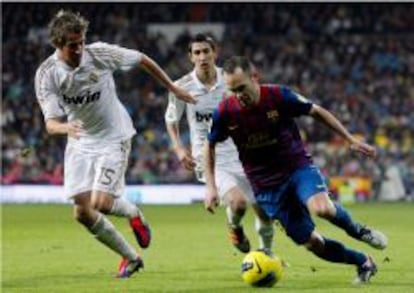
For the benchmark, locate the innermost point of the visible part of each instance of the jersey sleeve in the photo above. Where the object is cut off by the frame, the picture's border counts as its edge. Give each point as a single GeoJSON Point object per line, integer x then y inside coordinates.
{"type": "Point", "coordinates": [175, 109]}
{"type": "Point", "coordinates": [219, 130]}
{"type": "Point", "coordinates": [115, 57]}
{"type": "Point", "coordinates": [294, 104]}
{"type": "Point", "coordinates": [47, 95]}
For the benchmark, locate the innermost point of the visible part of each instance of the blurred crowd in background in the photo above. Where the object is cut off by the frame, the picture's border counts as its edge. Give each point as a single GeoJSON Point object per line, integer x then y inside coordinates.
{"type": "Point", "coordinates": [355, 59]}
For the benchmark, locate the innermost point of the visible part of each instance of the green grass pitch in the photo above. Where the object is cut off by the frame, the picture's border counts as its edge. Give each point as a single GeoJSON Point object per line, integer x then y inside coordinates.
{"type": "Point", "coordinates": [44, 250]}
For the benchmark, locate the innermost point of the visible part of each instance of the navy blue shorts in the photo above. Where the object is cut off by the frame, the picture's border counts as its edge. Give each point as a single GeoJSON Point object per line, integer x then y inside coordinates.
{"type": "Point", "coordinates": [287, 202]}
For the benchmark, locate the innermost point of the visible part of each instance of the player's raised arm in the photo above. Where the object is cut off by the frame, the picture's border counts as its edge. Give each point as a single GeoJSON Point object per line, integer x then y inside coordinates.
{"type": "Point", "coordinates": [332, 122]}
{"type": "Point", "coordinates": [150, 66]}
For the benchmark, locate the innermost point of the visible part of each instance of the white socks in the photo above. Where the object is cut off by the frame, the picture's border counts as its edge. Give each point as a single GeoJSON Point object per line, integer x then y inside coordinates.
{"type": "Point", "coordinates": [106, 233]}
{"type": "Point", "coordinates": [265, 231]}
{"type": "Point", "coordinates": [124, 208]}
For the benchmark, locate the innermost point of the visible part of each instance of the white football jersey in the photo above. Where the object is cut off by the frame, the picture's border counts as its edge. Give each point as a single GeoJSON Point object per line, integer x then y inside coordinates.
{"type": "Point", "coordinates": [199, 118]}
{"type": "Point", "coordinates": [88, 93]}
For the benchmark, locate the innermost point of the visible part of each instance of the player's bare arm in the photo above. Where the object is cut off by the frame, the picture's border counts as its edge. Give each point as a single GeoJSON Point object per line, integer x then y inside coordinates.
{"type": "Point", "coordinates": [55, 126]}
{"type": "Point", "coordinates": [211, 197]}
{"type": "Point", "coordinates": [150, 66]}
{"type": "Point", "coordinates": [332, 122]}
{"type": "Point", "coordinates": [183, 154]}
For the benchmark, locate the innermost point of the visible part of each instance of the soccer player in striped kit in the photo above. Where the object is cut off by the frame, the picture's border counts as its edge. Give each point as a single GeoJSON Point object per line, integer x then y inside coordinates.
{"type": "Point", "coordinates": [76, 92]}
{"type": "Point", "coordinates": [288, 186]}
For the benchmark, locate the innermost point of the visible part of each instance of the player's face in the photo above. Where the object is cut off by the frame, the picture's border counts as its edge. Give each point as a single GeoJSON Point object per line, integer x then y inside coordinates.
{"type": "Point", "coordinates": [71, 52]}
{"type": "Point", "coordinates": [244, 85]}
{"type": "Point", "coordinates": [203, 56]}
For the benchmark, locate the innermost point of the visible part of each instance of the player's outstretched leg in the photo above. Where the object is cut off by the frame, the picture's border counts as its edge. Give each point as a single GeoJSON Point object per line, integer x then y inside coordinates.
{"type": "Point", "coordinates": [124, 208]}
{"type": "Point", "coordinates": [343, 219]}
{"type": "Point", "coordinates": [236, 232]}
{"type": "Point", "coordinates": [128, 267]}
{"type": "Point", "coordinates": [334, 251]}
{"type": "Point", "coordinates": [105, 232]}
{"type": "Point", "coordinates": [321, 205]}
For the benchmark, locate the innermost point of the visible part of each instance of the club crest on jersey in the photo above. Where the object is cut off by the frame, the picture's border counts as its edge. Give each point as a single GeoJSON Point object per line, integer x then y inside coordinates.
{"type": "Point", "coordinates": [272, 115]}
{"type": "Point", "coordinates": [82, 99]}
{"type": "Point", "coordinates": [93, 77]}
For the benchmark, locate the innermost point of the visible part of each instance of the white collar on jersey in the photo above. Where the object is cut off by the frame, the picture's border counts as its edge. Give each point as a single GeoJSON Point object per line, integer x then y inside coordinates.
{"type": "Point", "coordinates": [201, 86]}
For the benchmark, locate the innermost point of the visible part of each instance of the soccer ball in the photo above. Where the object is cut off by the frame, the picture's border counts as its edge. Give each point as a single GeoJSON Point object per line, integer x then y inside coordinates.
{"type": "Point", "coordinates": [261, 269]}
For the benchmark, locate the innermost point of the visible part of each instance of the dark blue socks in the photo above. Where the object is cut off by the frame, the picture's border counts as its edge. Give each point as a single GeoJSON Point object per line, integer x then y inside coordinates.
{"type": "Point", "coordinates": [343, 220]}
{"type": "Point", "coordinates": [335, 251]}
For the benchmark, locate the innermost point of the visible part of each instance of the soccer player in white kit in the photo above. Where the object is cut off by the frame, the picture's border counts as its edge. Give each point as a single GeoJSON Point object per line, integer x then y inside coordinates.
{"type": "Point", "coordinates": [77, 82]}
{"type": "Point", "coordinates": [206, 84]}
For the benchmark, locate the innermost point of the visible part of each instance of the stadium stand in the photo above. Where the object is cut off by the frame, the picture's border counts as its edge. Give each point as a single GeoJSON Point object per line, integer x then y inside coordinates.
{"type": "Point", "coordinates": [355, 59]}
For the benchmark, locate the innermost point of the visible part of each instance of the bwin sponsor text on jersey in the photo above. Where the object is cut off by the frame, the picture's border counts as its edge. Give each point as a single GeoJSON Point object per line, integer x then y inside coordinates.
{"type": "Point", "coordinates": [82, 99]}
{"type": "Point", "coordinates": [200, 117]}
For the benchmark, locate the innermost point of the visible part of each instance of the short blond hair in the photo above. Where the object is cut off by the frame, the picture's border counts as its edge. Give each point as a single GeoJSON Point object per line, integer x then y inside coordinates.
{"type": "Point", "coordinates": [65, 22]}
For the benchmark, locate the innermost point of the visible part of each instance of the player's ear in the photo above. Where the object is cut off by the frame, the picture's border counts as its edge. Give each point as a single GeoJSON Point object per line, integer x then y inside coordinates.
{"type": "Point", "coordinates": [190, 57]}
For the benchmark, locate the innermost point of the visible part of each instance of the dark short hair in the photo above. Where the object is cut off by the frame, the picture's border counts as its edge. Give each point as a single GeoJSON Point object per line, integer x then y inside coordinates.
{"type": "Point", "coordinates": [234, 62]}
{"type": "Point", "coordinates": [65, 22]}
{"type": "Point", "coordinates": [201, 38]}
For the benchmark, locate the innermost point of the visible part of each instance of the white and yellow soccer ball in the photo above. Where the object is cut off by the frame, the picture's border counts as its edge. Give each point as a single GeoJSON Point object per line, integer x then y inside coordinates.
{"type": "Point", "coordinates": [261, 269]}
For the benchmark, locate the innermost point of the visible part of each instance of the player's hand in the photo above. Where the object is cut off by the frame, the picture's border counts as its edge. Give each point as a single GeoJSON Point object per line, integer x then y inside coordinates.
{"type": "Point", "coordinates": [211, 200]}
{"type": "Point", "coordinates": [185, 158]}
{"type": "Point", "coordinates": [74, 128]}
{"type": "Point", "coordinates": [183, 95]}
{"type": "Point", "coordinates": [363, 148]}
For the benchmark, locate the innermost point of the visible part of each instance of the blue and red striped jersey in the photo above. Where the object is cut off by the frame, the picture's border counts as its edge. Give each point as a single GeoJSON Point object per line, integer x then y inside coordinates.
{"type": "Point", "coordinates": [266, 135]}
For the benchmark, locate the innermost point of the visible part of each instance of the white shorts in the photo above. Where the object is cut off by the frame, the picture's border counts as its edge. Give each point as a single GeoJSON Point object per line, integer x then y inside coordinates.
{"type": "Point", "coordinates": [226, 180]}
{"type": "Point", "coordinates": [102, 170]}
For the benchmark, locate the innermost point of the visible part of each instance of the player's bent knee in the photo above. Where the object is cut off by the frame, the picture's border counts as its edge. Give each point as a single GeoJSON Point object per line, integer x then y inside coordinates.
{"type": "Point", "coordinates": [237, 203]}
{"type": "Point", "coordinates": [240, 206]}
{"type": "Point", "coordinates": [321, 206]}
{"type": "Point", "coordinates": [97, 205]}
{"type": "Point", "coordinates": [315, 243]}
{"type": "Point", "coordinates": [84, 215]}
{"type": "Point", "coordinates": [102, 202]}
{"type": "Point", "coordinates": [326, 212]}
